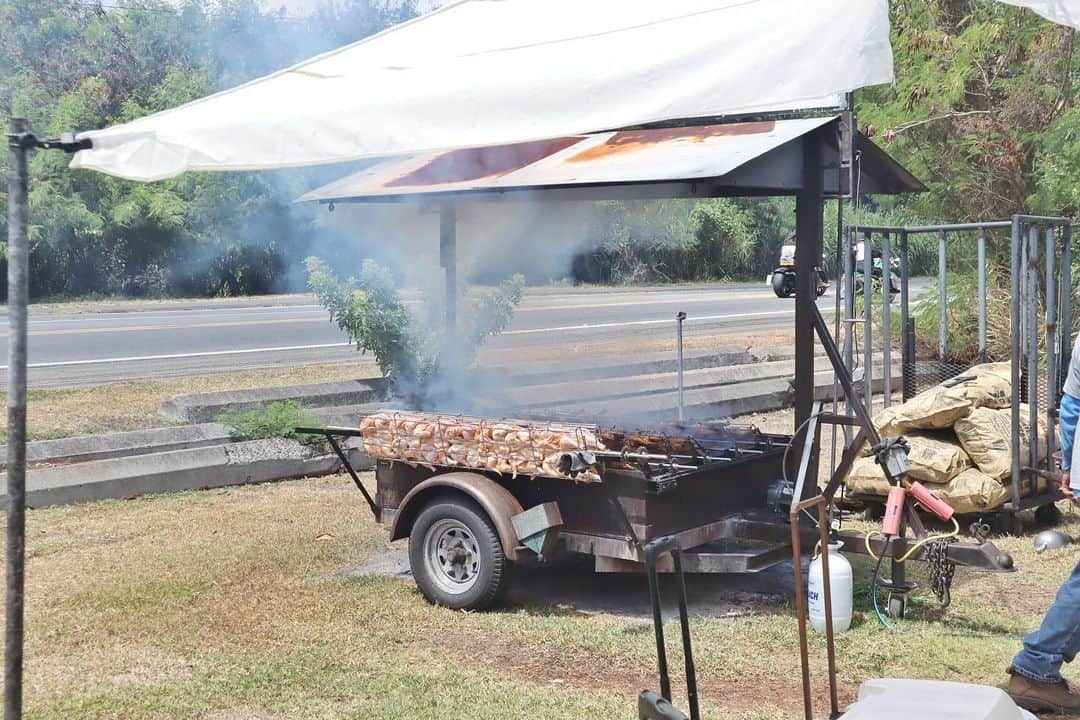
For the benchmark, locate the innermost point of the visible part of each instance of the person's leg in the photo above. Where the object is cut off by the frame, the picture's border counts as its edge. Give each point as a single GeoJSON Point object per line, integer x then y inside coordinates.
{"type": "Point", "coordinates": [1058, 638]}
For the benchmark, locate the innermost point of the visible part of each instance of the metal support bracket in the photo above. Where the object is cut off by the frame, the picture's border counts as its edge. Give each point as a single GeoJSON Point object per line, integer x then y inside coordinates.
{"type": "Point", "coordinates": [66, 142]}
{"type": "Point", "coordinates": [331, 434]}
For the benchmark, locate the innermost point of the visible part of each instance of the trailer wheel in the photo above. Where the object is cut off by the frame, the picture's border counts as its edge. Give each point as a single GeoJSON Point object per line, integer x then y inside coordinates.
{"type": "Point", "coordinates": [780, 285]}
{"type": "Point", "coordinates": [456, 557]}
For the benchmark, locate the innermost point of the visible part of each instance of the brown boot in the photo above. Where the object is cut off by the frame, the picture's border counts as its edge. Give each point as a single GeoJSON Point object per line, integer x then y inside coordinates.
{"type": "Point", "coordinates": [1042, 697]}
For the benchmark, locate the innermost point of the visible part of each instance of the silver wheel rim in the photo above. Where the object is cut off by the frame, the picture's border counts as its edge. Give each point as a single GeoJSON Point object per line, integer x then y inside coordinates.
{"type": "Point", "coordinates": [451, 556]}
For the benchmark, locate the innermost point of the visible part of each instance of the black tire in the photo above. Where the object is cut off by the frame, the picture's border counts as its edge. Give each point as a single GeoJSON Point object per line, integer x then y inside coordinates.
{"type": "Point", "coordinates": [822, 289]}
{"type": "Point", "coordinates": [475, 577]}
{"type": "Point", "coordinates": [780, 285]}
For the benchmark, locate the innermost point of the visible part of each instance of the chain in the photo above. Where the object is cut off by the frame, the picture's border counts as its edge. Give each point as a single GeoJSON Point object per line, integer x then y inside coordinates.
{"type": "Point", "coordinates": [941, 569]}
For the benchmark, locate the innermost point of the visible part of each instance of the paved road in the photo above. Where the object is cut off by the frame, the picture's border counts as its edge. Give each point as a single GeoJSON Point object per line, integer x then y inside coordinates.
{"type": "Point", "coordinates": [68, 349]}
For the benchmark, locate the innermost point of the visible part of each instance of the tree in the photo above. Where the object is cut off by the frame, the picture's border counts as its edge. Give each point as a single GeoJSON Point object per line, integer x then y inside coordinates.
{"type": "Point", "coordinates": [427, 366]}
{"type": "Point", "coordinates": [76, 65]}
{"type": "Point", "coordinates": [983, 97]}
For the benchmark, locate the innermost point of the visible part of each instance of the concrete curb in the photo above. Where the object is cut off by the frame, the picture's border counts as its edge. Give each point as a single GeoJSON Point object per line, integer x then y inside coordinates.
{"type": "Point", "coordinates": [601, 368]}
{"type": "Point", "coordinates": [728, 400]}
{"type": "Point", "coordinates": [647, 384]}
{"type": "Point", "coordinates": [205, 407]}
{"type": "Point", "coordinates": [137, 442]}
{"type": "Point", "coordinates": [192, 469]}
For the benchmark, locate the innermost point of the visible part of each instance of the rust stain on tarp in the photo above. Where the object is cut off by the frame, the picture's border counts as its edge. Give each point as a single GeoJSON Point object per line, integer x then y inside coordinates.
{"type": "Point", "coordinates": [627, 141]}
{"type": "Point", "coordinates": [469, 164]}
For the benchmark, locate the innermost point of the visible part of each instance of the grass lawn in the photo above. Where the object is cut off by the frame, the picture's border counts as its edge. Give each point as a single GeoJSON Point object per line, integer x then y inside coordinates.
{"type": "Point", "coordinates": [231, 604]}
{"type": "Point", "coordinates": [122, 406]}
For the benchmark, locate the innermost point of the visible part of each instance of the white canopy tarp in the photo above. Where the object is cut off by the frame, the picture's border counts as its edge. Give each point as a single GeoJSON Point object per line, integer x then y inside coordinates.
{"type": "Point", "coordinates": [1064, 12]}
{"type": "Point", "coordinates": [488, 72]}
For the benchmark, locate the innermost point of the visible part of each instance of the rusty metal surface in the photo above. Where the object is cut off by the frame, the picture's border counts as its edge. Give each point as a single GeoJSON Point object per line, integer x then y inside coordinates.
{"type": "Point", "coordinates": [801, 601]}
{"type": "Point", "coordinates": [621, 157]}
{"type": "Point", "coordinates": [467, 164]}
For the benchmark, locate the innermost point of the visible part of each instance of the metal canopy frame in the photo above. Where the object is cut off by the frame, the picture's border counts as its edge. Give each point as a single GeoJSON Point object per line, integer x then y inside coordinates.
{"type": "Point", "coordinates": [20, 142]}
{"type": "Point", "coordinates": [551, 170]}
{"type": "Point", "coordinates": [811, 167]}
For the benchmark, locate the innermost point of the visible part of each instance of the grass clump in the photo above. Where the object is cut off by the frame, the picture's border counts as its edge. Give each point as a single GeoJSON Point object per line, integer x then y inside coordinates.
{"type": "Point", "coordinates": [276, 420]}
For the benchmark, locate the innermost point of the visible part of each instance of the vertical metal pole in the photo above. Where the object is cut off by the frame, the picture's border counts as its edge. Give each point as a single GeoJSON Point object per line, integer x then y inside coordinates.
{"type": "Point", "coordinates": [981, 271]}
{"type": "Point", "coordinates": [886, 321]}
{"type": "Point", "coordinates": [943, 304]}
{"type": "Point", "coordinates": [679, 352]}
{"type": "Point", "coordinates": [801, 610]}
{"type": "Point", "coordinates": [1014, 356]}
{"type": "Point", "coordinates": [849, 309]}
{"type": "Point", "coordinates": [1032, 341]}
{"type": "Point", "coordinates": [898, 570]}
{"type": "Point", "coordinates": [448, 259]}
{"type": "Point", "coordinates": [838, 321]}
{"type": "Point", "coordinates": [18, 270]}
{"type": "Point", "coordinates": [658, 628]}
{"type": "Point", "coordinates": [1023, 313]}
{"type": "Point", "coordinates": [684, 624]}
{"type": "Point", "coordinates": [868, 318]}
{"type": "Point", "coordinates": [808, 228]}
{"type": "Point", "coordinates": [830, 645]}
{"type": "Point", "coordinates": [1051, 343]}
{"type": "Point", "coordinates": [908, 375]}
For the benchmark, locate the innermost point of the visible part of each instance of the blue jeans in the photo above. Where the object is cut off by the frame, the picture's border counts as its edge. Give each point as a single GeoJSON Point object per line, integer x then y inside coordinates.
{"type": "Point", "coordinates": [1068, 415]}
{"type": "Point", "coordinates": [1058, 638]}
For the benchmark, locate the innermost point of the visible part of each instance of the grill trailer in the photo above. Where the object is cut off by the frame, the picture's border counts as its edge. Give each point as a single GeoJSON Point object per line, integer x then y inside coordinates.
{"type": "Point", "coordinates": [718, 490]}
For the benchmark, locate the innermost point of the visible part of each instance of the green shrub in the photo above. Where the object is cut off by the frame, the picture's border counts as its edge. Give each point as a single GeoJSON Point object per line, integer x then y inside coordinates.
{"type": "Point", "coordinates": [423, 364]}
{"type": "Point", "coordinates": [276, 420]}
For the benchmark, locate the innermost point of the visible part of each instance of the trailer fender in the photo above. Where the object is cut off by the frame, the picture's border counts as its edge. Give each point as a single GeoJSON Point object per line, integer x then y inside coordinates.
{"type": "Point", "coordinates": [498, 502]}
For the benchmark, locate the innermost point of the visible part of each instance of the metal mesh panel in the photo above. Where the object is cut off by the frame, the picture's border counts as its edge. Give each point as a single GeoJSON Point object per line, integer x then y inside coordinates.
{"type": "Point", "coordinates": [1036, 295]}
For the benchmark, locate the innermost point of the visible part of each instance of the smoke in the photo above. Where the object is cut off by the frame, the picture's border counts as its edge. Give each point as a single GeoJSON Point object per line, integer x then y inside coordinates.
{"type": "Point", "coordinates": [495, 240]}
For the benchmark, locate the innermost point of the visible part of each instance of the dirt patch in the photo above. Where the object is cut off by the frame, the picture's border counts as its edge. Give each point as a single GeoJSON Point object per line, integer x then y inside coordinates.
{"type": "Point", "coordinates": [573, 587]}
{"type": "Point", "coordinates": [550, 665]}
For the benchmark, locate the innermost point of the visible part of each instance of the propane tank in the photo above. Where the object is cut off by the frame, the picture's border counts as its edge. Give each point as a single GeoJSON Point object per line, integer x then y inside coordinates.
{"type": "Point", "coordinates": [840, 588]}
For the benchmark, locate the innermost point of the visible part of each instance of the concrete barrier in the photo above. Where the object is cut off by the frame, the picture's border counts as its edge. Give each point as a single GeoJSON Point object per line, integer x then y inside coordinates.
{"type": "Point", "coordinates": [701, 403]}
{"type": "Point", "coordinates": [137, 442]}
{"type": "Point", "coordinates": [206, 407]}
{"type": "Point", "coordinates": [198, 468]}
